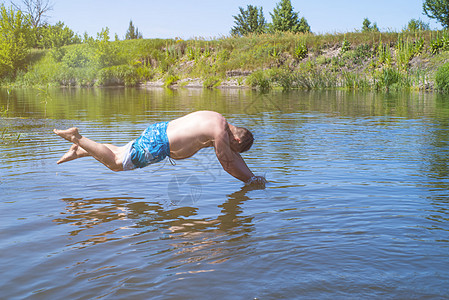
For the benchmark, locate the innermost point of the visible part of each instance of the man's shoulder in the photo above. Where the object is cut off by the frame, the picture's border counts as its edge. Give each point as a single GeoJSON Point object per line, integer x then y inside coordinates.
{"type": "Point", "coordinates": [208, 114]}
{"type": "Point", "coordinates": [210, 118]}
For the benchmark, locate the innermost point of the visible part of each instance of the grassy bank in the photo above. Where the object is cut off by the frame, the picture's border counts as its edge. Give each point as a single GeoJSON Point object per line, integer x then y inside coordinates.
{"type": "Point", "coordinates": [379, 61]}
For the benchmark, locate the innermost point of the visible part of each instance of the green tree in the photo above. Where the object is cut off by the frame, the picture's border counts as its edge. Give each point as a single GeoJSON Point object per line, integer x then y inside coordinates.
{"type": "Point", "coordinates": [52, 36]}
{"type": "Point", "coordinates": [133, 32]}
{"type": "Point", "coordinates": [417, 25]}
{"type": "Point", "coordinates": [105, 53]}
{"type": "Point", "coordinates": [285, 19]}
{"type": "Point", "coordinates": [437, 9]}
{"type": "Point", "coordinates": [249, 21]}
{"type": "Point", "coordinates": [367, 27]}
{"type": "Point", "coordinates": [16, 40]}
{"type": "Point", "coordinates": [303, 25]}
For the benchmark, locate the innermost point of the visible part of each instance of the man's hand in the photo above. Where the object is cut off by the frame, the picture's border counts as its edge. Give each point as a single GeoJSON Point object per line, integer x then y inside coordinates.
{"type": "Point", "coordinates": [257, 180]}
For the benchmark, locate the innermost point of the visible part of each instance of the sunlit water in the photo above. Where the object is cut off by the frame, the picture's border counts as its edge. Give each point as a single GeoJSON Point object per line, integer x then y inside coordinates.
{"type": "Point", "coordinates": [357, 203]}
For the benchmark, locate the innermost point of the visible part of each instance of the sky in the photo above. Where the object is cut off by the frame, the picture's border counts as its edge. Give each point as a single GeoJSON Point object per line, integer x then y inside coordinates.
{"type": "Point", "coordinates": [188, 19]}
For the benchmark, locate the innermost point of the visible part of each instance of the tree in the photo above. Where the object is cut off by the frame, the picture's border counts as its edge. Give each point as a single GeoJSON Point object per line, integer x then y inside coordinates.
{"type": "Point", "coordinates": [132, 33]}
{"type": "Point", "coordinates": [249, 21]}
{"type": "Point", "coordinates": [105, 53]}
{"type": "Point", "coordinates": [285, 19]}
{"type": "Point", "coordinates": [437, 9]}
{"type": "Point", "coordinates": [36, 9]}
{"type": "Point", "coordinates": [15, 40]}
{"type": "Point", "coordinates": [53, 36]}
{"type": "Point", "coordinates": [367, 26]}
{"type": "Point", "coordinates": [417, 25]}
{"type": "Point", "coordinates": [303, 25]}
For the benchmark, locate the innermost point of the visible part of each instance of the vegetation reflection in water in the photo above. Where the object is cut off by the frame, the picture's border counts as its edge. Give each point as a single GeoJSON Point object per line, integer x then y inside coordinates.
{"type": "Point", "coordinates": [116, 104]}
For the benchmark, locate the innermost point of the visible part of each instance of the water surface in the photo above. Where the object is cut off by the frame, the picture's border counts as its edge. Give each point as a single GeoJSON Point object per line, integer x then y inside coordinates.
{"type": "Point", "coordinates": [357, 205]}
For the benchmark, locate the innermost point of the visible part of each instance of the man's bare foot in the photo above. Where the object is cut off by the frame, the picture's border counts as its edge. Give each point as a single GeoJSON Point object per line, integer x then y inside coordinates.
{"type": "Point", "coordinates": [74, 152]}
{"type": "Point", "coordinates": [71, 134]}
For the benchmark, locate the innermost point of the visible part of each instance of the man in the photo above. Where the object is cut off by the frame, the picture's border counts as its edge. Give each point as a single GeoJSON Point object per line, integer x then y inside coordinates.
{"type": "Point", "coordinates": [177, 139]}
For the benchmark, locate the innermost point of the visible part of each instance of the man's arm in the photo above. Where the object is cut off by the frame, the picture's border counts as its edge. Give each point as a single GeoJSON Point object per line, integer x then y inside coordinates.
{"type": "Point", "coordinates": [231, 161]}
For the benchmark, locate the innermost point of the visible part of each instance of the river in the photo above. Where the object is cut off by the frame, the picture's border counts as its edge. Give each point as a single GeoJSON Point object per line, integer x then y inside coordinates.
{"type": "Point", "coordinates": [357, 204]}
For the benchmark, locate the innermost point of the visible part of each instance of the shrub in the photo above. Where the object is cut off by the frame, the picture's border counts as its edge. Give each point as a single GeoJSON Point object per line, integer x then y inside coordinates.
{"type": "Point", "coordinates": [301, 51]}
{"type": "Point", "coordinates": [392, 79]}
{"type": "Point", "coordinates": [118, 75]}
{"type": "Point", "coordinates": [76, 57]}
{"type": "Point", "coordinates": [170, 80]}
{"type": "Point", "coordinates": [345, 46]}
{"type": "Point", "coordinates": [211, 82]}
{"type": "Point", "coordinates": [259, 80]}
{"type": "Point", "coordinates": [442, 78]}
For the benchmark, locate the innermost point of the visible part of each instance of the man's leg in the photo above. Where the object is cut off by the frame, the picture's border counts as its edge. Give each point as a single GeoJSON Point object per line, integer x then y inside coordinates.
{"type": "Point", "coordinates": [109, 155]}
{"type": "Point", "coordinates": [74, 152]}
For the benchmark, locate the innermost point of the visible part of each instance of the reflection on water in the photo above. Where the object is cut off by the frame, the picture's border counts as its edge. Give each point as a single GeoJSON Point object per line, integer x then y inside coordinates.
{"type": "Point", "coordinates": [357, 204]}
{"type": "Point", "coordinates": [93, 216]}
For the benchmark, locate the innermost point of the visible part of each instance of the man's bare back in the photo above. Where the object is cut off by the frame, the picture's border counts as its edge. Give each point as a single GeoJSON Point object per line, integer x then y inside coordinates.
{"type": "Point", "coordinates": [193, 132]}
{"type": "Point", "coordinates": [186, 136]}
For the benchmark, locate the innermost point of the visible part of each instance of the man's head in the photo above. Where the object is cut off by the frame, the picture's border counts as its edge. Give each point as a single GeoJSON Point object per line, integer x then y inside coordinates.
{"type": "Point", "coordinates": [241, 140]}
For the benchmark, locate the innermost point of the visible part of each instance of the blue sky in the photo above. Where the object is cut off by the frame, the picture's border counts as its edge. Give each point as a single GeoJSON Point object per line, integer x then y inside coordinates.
{"type": "Point", "coordinates": [209, 19]}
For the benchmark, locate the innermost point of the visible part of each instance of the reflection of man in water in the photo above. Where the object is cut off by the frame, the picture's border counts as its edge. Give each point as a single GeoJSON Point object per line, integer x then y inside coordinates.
{"type": "Point", "coordinates": [178, 139]}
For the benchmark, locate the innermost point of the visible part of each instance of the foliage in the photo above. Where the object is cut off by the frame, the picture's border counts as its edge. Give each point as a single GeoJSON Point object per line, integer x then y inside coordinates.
{"type": "Point", "coordinates": [406, 50]}
{"type": "Point", "coordinates": [118, 75]}
{"type": "Point", "coordinates": [439, 44]}
{"type": "Point", "coordinates": [105, 53]}
{"type": "Point", "coordinates": [76, 57]}
{"type": "Point", "coordinates": [170, 80]}
{"type": "Point", "coordinates": [301, 51]}
{"type": "Point", "coordinates": [285, 19]}
{"type": "Point", "coordinates": [438, 10]}
{"type": "Point", "coordinates": [211, 82]}
{"type": "Point", "coordinates": [51, 36]}
{"type": "Point", "coordinates": [133, 32]}
{"type": "Point", "coordinates": [391, 79]}
{"type": "Point", "coordinates": [345, 46]}
{"type": "Point", "coordinates": [15, 40]}
{"type": "Point", "coordinates": [415, 25]}
{"type": "Point", "coordinates": [259, 79]}
{"type": "Point", "coordinates": [442, 78]}
{"type": "Point", "coordinates": [249, 21]}
{"type": "Point", "coordinates": [367, 27]}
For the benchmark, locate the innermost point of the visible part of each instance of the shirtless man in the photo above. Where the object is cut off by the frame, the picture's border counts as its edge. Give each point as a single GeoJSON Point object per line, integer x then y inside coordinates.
{"type": "Point", "coordinates": [178, 139]}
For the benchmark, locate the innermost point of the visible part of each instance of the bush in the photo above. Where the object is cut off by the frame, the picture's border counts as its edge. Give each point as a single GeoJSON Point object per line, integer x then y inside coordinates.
{"type": "Point", "coordinates": [442, 78]}
{"type": "Point", "coordinates": [301, 51]}
{"type": "Point", "coordinates": [118, 75]}
{"type": "Point", "coordinates": [211, 82]}
{"type": "Point", "coordinates": [259, 80]}
{"type": "Point", "coordinates": [170, 80]}
{"type": "Point", "coordinates": [392, 79]}
{"type": "Point", "coordinates": [76, 57]}
{"type": "Point", "coordinates": [345, 46]}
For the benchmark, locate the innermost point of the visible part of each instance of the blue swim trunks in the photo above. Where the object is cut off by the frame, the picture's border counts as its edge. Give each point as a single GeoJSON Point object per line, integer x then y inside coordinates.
{"type": "Point", "coordinates": [151, 147]}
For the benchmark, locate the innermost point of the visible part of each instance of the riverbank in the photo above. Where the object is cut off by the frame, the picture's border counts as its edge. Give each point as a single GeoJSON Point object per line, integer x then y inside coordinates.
{"type": "Point", "coordinates": [376, 61]}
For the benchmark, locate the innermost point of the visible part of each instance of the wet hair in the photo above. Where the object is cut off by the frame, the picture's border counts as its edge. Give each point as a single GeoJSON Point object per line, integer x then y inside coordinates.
{"type": "Point", "coordinates": [245, 136]}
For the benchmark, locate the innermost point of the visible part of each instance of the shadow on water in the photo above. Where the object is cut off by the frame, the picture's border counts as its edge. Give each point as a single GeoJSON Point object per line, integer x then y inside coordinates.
{"type": "Point", "coordinates": [101, 220]}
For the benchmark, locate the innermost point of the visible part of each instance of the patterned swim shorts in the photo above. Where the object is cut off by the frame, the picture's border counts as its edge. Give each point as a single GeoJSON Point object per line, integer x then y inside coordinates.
{"type": "Point", "coordinates": [151, 147]}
